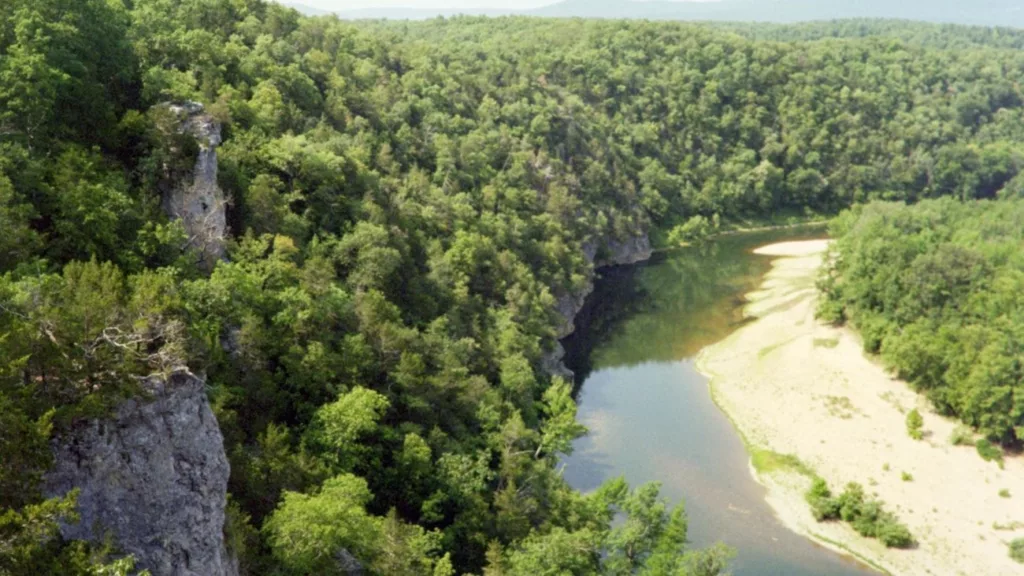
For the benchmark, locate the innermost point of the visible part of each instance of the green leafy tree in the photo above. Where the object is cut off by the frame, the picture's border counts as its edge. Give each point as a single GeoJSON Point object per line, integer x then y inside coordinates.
{"type": "Point", "coordinates": [307, 532]}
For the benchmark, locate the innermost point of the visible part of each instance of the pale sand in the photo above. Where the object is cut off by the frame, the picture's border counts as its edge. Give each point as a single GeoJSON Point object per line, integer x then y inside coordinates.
{"type": "Point", "coordinates": [795, 386]}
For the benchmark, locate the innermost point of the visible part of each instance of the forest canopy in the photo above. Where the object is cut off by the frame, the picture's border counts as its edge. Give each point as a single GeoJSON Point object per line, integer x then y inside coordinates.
{"type": "Point", "coordinates": [406, 202]}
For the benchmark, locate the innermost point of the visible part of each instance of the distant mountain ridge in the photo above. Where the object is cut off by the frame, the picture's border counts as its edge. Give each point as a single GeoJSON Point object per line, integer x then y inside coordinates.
{"type": "Point", "coordinates": [975, 12]}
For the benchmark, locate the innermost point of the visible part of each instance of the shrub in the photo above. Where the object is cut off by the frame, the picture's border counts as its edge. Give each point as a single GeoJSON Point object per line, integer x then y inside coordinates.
{"type": "Point", "coordinates": [873, 330]}
{"type": "Point", "coordinates": [914, 424]}
{"type": "Point", "coordinates": [830, 312]}
{"type": "Point", "coordinates": [850, 501]}
{"type": "Point", "coordinates": [961, 436]}
{"type": "Point", "coordinates": [1004, 493]}
{"type": "Point", "coordinates": [1017, 550]}
{"type": "Point", "coordinates": [894, 534]}
{"type": "Point", "coordinates": [823, 505]}
{"type": "Point", "coordinates": [988, 451]}
{"type": "Point", "coordinates": [867, 517]}
{"type": "Point", "coordinates": [907, 477]}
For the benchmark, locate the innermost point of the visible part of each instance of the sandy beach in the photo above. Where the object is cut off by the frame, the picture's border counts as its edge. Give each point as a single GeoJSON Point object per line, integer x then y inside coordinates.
{"type": "Point", "coordinates": [794, 386]}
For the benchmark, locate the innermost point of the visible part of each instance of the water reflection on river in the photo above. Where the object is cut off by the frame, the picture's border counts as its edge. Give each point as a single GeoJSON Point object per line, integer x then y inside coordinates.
{"type": "Point", "coordinates": [650, 415]}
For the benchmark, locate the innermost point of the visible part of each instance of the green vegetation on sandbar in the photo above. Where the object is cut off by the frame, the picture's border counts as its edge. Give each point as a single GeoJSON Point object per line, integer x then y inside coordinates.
{"type": "Point", "coordinates": [1017, 550]}
{"type": "Point", "coordinates": [826, 342]}
{"type": "Point", "coordinates": [914, 424]}
{"type": "Point", "coordinates": [864, 515]}
{"type": "Point", "coordinates": [765, 462]}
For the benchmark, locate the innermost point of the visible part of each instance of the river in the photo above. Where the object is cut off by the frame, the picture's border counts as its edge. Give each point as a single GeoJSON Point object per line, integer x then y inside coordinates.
{"type": "Point", "coordinates": [649, 410]}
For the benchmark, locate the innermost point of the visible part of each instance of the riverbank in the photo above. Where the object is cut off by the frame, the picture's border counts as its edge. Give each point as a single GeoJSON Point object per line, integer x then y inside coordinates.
{"type": "Point", "coordinates": [795, 387]}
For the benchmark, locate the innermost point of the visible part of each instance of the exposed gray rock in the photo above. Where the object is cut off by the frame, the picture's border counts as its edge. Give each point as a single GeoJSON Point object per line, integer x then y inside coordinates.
{"type": "Point", "coordinates": [568, 305]}
{"type": "Point", "coordinates": [348, 564]}
{"type": "Point", "coordinates": [630, 251]}
{"type": "Point", "coordinates": [155, 476]}
{"type": "Point", "coordinates": [611, 253]}
{"type": "Point", "coordinates": [195, 198]}
{"type": "Point", "coordinates": [552, 363]}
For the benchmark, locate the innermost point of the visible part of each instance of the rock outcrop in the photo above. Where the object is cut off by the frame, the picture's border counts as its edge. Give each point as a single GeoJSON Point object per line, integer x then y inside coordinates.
{"type": "Point", "coordinates": [610, 253]}
{"type": "Point", "coordinates": [194, 197]}
{"type": "Point", "coordinates": [154, 476]}
{"type": "Point", "coordinates": [621, 252]}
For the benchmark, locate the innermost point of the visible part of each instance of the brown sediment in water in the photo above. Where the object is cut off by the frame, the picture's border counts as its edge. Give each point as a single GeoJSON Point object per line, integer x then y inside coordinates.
{"type": "Point", "coordinates": [793, 386]}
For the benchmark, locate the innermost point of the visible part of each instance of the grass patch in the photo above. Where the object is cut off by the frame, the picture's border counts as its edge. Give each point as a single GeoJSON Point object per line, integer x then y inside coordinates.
{"type": "Point", "coordinates": [767, 462]}
{"type": "Point", "coordinates": [961, 436]}
{"type": "Point", "coordinates": [769, 349]}
{"type": "Point", "coordinates": [891, 399]}
{"type": "Point", "coordinates": [1009, 526]}
{"type": "Point", "coordinates": [826, 342]}
{"type": "Point", "coordinates": [786, 304]}
{"type": "Point", "coordinates": [840, 407]}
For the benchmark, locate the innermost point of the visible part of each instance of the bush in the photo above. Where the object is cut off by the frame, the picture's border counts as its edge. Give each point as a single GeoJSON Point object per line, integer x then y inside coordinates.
{"type": "Point", "coordinates": [906, 476]}
{"type": "Point", "coordinates": [867, 517]}
{"type": "Point", "coordinates": [1017, 550]}
{"type": "Point", "coordinates": [851, 501]}
{"type": "Point", "coordinates": [914, 424]}
{"type": "Point", "coordinates": [988, 451]}
{"type": "Point", "coordinates": [961, 436]}
{"type": "Point", "coordinates": [831, 312]}
{"type": "Point", "coordinates": [823, 506]}
{"type": "Point", "coordinates": [894, 534]}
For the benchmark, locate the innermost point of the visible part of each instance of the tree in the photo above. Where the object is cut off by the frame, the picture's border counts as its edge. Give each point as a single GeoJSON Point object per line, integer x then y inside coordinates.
{"type": "Point", "coordinates": [306, 532]}
{"type": "Point", "coordinates": [31, 544]}
{"type": "Point", "coordinates": [31, 83]}
{"type": "Point", "coordinates": [559, 427]}
{"type": "Point", "coordinates": [342, 424]}
{"type": "Point", "coordinates": [19, 242]}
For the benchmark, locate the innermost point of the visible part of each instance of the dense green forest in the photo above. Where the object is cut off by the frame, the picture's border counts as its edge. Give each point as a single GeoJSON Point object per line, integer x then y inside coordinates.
{"type": "Point", "coordinates": [983, 12]}
{"type": "Point", "coordinates": [936, 289]}
{"type": "Point", "coordinates": [946, 36]}
{"type": "Point", "coordinates": [970, 12]}
{"type": "Point", "coordinates": [406, 202]}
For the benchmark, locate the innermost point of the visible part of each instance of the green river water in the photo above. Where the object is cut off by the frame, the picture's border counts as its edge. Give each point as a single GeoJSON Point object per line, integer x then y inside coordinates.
{"type": "Point", "coordinates": [649, 410]}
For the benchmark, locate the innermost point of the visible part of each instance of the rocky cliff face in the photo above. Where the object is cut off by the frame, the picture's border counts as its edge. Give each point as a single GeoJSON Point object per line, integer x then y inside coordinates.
{"type": "Point", "coordinates": [155, 477]}
{"type": "Point", "coordinates": [195, 198]}
{"type": "Point", "coordinates": [610, 253]}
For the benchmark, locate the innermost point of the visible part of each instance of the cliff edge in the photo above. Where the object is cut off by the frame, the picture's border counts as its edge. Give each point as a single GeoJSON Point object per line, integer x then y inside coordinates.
{"type": "Point", "coordinates": [154, 476]}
